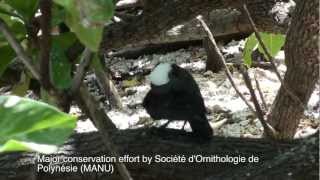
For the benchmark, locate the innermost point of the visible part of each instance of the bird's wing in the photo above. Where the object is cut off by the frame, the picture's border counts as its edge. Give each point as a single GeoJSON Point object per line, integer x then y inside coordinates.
{"type": "Point", "coordinates": [186, 91]}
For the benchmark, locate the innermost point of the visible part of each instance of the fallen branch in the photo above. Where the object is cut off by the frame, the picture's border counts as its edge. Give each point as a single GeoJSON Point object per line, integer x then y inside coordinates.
{"type": "Point", "coordinates": [260, 93]}
{"type": "Point", "coordinates": [262, 65]}
{"type": "Point", "coordinates": [81, 71]}
{"type": "Point", "coordinates": [109, 89]}
{"type": "Point", "coordinates": [104, 126]}
{"type": "Point", "coordinates": [221, 58]}
{"type": "Point", "coordinates": [268, 130]}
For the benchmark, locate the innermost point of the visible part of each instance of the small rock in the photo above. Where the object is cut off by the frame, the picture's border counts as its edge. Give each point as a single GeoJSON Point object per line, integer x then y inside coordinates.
{"type": "Point", "coordinates": [218, 109]}
{"type": "Point", "coordinates": [130, 92]}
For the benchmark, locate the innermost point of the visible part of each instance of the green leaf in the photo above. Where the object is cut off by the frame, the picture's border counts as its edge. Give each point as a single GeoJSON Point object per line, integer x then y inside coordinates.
{"type": "Point", "coordinates": [95, 13]}
{"type": "Point", "coordinates": [16, 27]}
{"type": "Point", "coordinates": [67, 4]}
{"type": "Point", "coordinates": [26, 8]}
{"type": "Point", "coordinates": [13, 145]}
{"type": "Point", "coordinates": [64, 40]}
{"type": "Point", "coordinates": [19, 30]}
{"type": "Point", "coordinates": [90, 37]}
{"type": "Point", "coordinates": [32, 125]}
{"type": "Point", "coordinates": [60, 67]}
{"type": "Point", "coordinates": [250, 45]}
{"type": "Point", "coordinates": [5, 8]}
{"type": "Point", "coordinates": [58, 15]}
{"type": "Point", "coordinates": [7, 54]}
{"type": "Point", "coordinates": [88, 33]}
{"type": "Point", "coordinates": [273, 43]}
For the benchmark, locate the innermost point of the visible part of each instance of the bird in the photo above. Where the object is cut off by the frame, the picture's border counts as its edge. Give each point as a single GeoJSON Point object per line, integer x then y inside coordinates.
{"type": "Point", "coordinates": [175, 95]}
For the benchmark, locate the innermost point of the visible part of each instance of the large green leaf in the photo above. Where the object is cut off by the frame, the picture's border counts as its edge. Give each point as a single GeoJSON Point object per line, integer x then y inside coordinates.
{"type": "Point", "coordinates": [60, 67]}
{"type": "Point", "coordinates": [25, 8]}
{"type": "Point", "coordinates": [87, 19]}
{"type": "Point", "coordinates": [250, 45]}
{"type": "Point", "coordinates": [7, 54]}
{"type": "Point", "coordinates": [273, 43]}
{"type": "Point", "coordinates": [26, 124]}
{"type": "Point", "coordinates": [67, 4]}
{"type": "Point", "coordinates": [95, 13]}
{"type": "Point", "coordinates": [58, 15]}
{"type": "Point", "coordinates": [5, 8]}
{"type": "Point", "coordinates": [64, 40]}
{"type": "Point", "coordinates": [16, 27]}
{"type": "Point", "coordinates": [90, 37]}
{"type": "Point", "coordinates": [19, 30]}
{"type": "Point", "coordinates": [14, 145]}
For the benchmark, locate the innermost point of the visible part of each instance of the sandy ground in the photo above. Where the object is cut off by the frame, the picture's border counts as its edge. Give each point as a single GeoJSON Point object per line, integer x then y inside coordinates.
{"type": "Point", "coordinates": [228, 114]}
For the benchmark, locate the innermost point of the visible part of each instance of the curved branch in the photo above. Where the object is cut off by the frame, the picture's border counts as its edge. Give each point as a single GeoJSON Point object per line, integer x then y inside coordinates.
{"type": "Point", "coordinates": [27, 61]}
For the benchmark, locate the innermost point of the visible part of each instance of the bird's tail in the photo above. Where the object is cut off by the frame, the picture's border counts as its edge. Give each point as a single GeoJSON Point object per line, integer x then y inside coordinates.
{"type": "Point", "coordinates": [201, 127]}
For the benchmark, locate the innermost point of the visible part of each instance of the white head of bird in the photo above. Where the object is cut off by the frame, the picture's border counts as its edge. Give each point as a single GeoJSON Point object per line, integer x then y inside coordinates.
{"type": "Point", "coordinates": [160, 74]}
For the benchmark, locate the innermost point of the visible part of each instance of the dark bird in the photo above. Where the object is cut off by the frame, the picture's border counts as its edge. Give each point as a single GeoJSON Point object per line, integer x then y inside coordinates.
{"type": "Point", "coordinates": [175, 95]}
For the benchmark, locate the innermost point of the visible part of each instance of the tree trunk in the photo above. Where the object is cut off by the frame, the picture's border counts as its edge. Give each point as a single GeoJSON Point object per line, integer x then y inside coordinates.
{"type": "Point", "coordinates": [302, 60]}
{"type": "Point", "coordinates": [213, 63]}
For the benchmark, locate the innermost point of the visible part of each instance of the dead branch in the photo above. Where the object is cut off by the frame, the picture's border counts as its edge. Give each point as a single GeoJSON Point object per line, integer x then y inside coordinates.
{"type": "Point", "coordinates": [221, 58]}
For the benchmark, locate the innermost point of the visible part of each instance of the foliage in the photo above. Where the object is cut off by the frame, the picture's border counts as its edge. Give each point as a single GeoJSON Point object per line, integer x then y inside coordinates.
{"type": "Point", "coordinates": [273, 43]}
{"type": "Point", "coordinates": [6, 55]}
{"type": "Point", "coordinates": [32, 125]}
{"type": "Point", "coordinates": [60, 68]}
{"type": "Point", "coordinates": [87, 18]}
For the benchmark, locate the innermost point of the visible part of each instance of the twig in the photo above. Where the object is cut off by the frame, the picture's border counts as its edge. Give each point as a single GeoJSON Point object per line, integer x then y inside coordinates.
{"type": "Point", "coordinates": [87, 102]}
{"type": "Point", "coordinates": [106, 84]}
{"type": "Point", "coordinates": [85, 61]}
{"type": "Point", "coordinates": [269, 131]}
{"type": "Point", "coordinates": [270, 58]}
{"type": "Point", "coordinates": [221, 58]}
{"type": "Point", "coordinates": [18, 49]}
{"type": "Point", "coordinates": [217, 125]}
{"type": "Point", "coordinates": [260, 92]}
{"type": "Point", "coordinates": [45, 43]}
{"type": "Point", "coordinates": [263, 65]}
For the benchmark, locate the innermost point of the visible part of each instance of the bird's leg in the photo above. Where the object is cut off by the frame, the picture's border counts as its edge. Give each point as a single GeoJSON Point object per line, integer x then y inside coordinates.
{"type": "Point", "coordinates": [165, 124]}
{"type": "Point", "coordinates": [184, 124]}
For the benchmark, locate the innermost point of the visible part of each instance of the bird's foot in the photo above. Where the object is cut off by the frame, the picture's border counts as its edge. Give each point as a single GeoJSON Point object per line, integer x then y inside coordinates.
{"type": "Point", "coordinates": [165, 125]}
{"type": "Point", "coordinates": [184, 124]}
